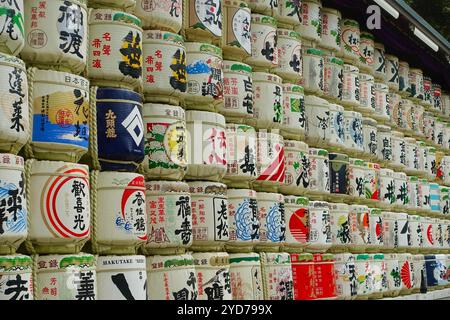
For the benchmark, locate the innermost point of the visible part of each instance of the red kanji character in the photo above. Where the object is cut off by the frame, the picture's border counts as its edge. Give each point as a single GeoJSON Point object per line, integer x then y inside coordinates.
{"type": "Point", "coordinates": [96, 53]}
{"type": "Point", "coordinates": [97, 63]}
{"type": "Point", "coordinates": [107, 36]}
{"type": "Point", "coordinates": [158, 66]}
{"type": "Point", "coordinates": [96, 43]}
{"type": "Point", "coordinates": [158, 54]}
{"type": "Point", "coordinates": [42, 5]}
{"type": "Point", "coordinates": [106, 50]}
{"type": "Point", "coordinates": [53, 291]}
{"type": "Point", "coordinates": [150, 78]}
{"type": "Point", "coordinates": [45, 290]}
{"type": "Point", "coordinates": [149, 60]}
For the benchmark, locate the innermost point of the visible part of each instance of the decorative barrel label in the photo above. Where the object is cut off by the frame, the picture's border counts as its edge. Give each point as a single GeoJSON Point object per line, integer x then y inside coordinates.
{"type": "Point", "coordinates": [206, 15]}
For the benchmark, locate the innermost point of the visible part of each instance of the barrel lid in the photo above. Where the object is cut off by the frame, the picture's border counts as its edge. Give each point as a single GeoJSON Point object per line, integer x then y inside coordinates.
{"type": "Point", "coordinates": [264, 76]}
{"type": "Point", "coordinates": [16, 262]}
{"type": "Point", "coordinates": [15, 61]}
{"type": "Point", "coordinates": [270, 196]}
{"type": "Point", "coordinates": [286, 33]}
{"type": "Point", "coordinates": [160, 110]}
{"type": "Point", "coordinates": [336, 107]}
{"type": "Point", "coordinates": [334, 60]}
{"type": "Point", "coordinates": [259, 18]}
{"type": "Point", "coordinates": [105, 263]}
{"type": "Point", "coordinates": [350, 22]}
{"type": "Point", "coordinates": [437, 85]}
{"type": "Point", "coordinates": [377, 256]}
{"type": "Point", "coordinates": [362, 257]}
{"type": "Point", "coordinates": [160, 36]}
{"type": "Point", "coordinates": [357, 162]}
{"type": "Point", "coordinates": [235, 66]}
{"type": "Point", "coordinates": [413, 178]}
{"type": "Point", "coordinates": [314, 52]}
{"type": "Point", "coordinates": [241, 193]}
{"type": "Point", "coordinates": [239, 127]}
{"type": "Point", "coordinates": [295, 88]}
{"type": "Point", "coordinates": [11, 161]}
{"type": "Point", "coordinates": [210, 259]}
{"type": "Point", "coordinates": [244, 258]}
{"type": "Point", "coordinates": [375, 212]}
{"type": "Point", "coordinates": [296, 200]}
{"type": "Point", "coordinates": [193, 115]}
{"type": "Point", "coordinates": [194, 47]}
{"type": "Point", "coordinates": [297, 145]}
{"type": "Point", "coordinates": [166, 186]}
{"type": "Point", "coordinates": [118, 94]}
{"type": "Point", "coordinates": [170, 262]}
{"type": "Point", "coordinates": [302, 257]}
{"type": "Point", "coordinates": [56, 167]}
{"type": "Point", "coordinates": [318, 152]}
{"type": "Point", "coordinates": [207, 187]}
{"type": "Point", "coordinates": [391, 57]}
{"type": "Point", "coordinates": [58, 77]}
{"type": "Point", "coordinates": [316, 101]}
{"type": "Point", "coordinates": [97, 15]}
{"type": "Point", "coordinates": [279, 258]}
{"type": "Point", "coordinates": [323, 257]}
{"type": "Point", "coordinates": [339, 207]}
{"type": "Point", "coordinates": [401, 215]}
{"type": "Point", "coordinates": [367, 35]}
{"type": "Point", "coordinates": [120, 180]}
{"type": "Point", "coordinates": [370, 121]}
{"type": "Point", "coordinates": [81, 260]}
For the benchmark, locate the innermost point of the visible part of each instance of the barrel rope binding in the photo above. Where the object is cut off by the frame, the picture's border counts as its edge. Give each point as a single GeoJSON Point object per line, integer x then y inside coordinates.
{"type": "Point", "coordinates": [93, 141]}
{"type": "Point", "coordinates": [94, 199]}
{"type": "Point", "coordinates": [28, 167]}
{"type": "Point", "coordinates": [31, 73]}
{"type": "Point", "coordinates": [35, 258]}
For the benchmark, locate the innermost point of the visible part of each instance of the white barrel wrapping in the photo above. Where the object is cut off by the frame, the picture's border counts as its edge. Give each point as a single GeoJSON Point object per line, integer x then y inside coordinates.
{"type": "Point", "coordinates": [263, 42]}
{"type": "Point", "coordinates": [246, 278]}
{"type": "Point", "coordinates": [159, 15]}
{"type": "Point", "coordinates": [297, 177]}
{"type": "Point", "coordinates": [236, 38]}
{"type": "Point", "coordinates": [289, 46]}
{"type": "Point", "coordinates": [297, 223]}
{"type": "Point", "coordinates": [294, 114]}
{"type": "Point", "coordinates": [16, 273]}
{"type": "Point", "coordinates": [277, 276]}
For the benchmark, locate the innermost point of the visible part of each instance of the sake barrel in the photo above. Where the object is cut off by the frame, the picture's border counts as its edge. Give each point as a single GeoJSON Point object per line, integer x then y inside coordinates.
{"type": "Point", "coordinates": [437, 98]}
{"type": "Point", "coordinates": [277, 276]}
{"type": "Point", "coordinates": [204, 69]}
{"type": "Point", "coordinates": [319, 172]}
{"type": "Point", "coordinates": [237, 91]}
{"type": "Point", "coordinates": [311, 20]}
{"type": "Point", "coordinates": [210, 222]}
{"type": "Point", "coordinates": [354, 138]}
{"type": "Point", "coordinates": [372, 182]}
{"type": "Point", "coordinates": [337, 127]}
{"type": "Point", "coordinates": [13, 40]}
{"type": "Point", "coordinates": [378, 276]}
{"type": "Point", "coordinates": [303, 276]}
{"type": "Point", "coordinates": [444, 196]}
{"type": "Point", "coordinates": [169, 217]}
{"type": "Point", "coordinates": [382, 102]}
{"type": "Point", "coordinates": [431, 163]}
{"type": "Point", "coordinates": [266, 7]}
{"type": "Point", "coordinates": [340, 227]}
{"type": "Point", "coordinates": [208, 159]}
{"type": "Point", "coordinates": [379, 66]}
{"type": "Point", "coordinates": [403, 79]}
{"type": "Point", "coordinates": [414, 198]}
{"type": "Point", "coordinates": [171, 278]}
{"type": "Point", "coordinates": [384, 143]}
{"type": "Point", "coordinates": [429, 123]}
{"type": "Point", "coordinates": [396, 110]}
{"type": "Point", "coordinates": [423, 153]}
{"type": "Point", "coordinates": [402, 189]}
{"type": "Point", "coordinates": [270, 161]}
{"type": "Point", "coordinates": [65, 277]}
{"type": "Point", "coordinates": [289, 55]}
{"type": "Point", "coordinates": [241, 155]}
{"type": "Point", "coordinates": [165, 144]}
{"type": "Point", "coordinates": [376, 229]}
{"type": "Point", "coordinates": [346, 282]}
{"type": "Point", "coordinates": [350, 93]}
{"type": "Point", "coordinates": [60, 212]}
{"type": "Point", "coordinates": [243, 220]}
{"type": "Point", "coordinates": [318, 119]}
{"type": "Point", "coordinates": [13, 203]}
{"type": "Point", "coordinates": [333, 78]}
{"type": "Point", "coordinates": [424, 194]}
{"type": "Point", "coordinates": [392, 65]}
{"type": "Point", "coordinates": [297, 177]}
{"type": "Point", "coordinates": [17, 278]}
{"type": "Point", "coordinates": [427, 93]}
{"type": "Point", "coordinates": [294, 114]}
{"type": "Point", "coordinates": [339, 182]}
{"type": "Point", "coordinates": [439, 235]}
{"type": "Point", "coordinates": [160, 15]}
{"type": "Point", "coordinates": [164, 67]}
{"type": "Point", "coordinates": [398, 150]}
{"type": "Point", "coordinates": [363, 276]}
{"type": "Point", "coordinates": [297, 223]}
{"type": "Point", "coordinates": [289, 14]}
{"type": "Point", "coordinates": [119, 212]}
{"type": "Point", "coordinates": [405, 115]}
{"type": "Point", "coordinates": [387, 187]}
{"type": "Point", "coordinates": [313, 69]}
{"type": "Point", "coordinates": [263, 43]}
{"type": "Point", "coordinates": [56, 33]}
{"type": "Point", "coordinates": [213, 275]}
{"type": "Point", "coordinates": [445, 104]}
{"type": "Point", "coordinates": [403, 232]}
{"type": "Point", "coordinates": [267, 101]}
{"type": "Point", "coordinates": [331, 29]}
{"type": "Point", "coordinates": [236, 39]}
{"type": "Point", "coordinates": [446, 170]}
{"type": "Point", "coordinates": [14, 110]}
{"type": "Point", "coordinates": [60, 115]}
{"type": "Point", "coordinates": [320, 236]}
{"type": "Point", "coordinates": [121, 278]}
{"type": "Point", "coordinates": [202, 21]}
{"type": "Point", "coordinates": [366, 51]}
{"type": "Point", "coordinates": [417, 123]}
{"type": "Point", "coordinates": [435, 201]}
{"type": "Point", "coordinates": [272, 215]}
{"type": "Point", "coordinates": [393, 275]}
{"type": "Point", "coordinates": [115, 51]}
{"type": "Point", "coordinates": [117, 139]}
{"type": "Point", "coordinates": [356, 178]}
{"type": "Point", "coordinates": [420, 273]}
{"type": "Point", "coordinates": [126, 5]}
{"type": "Point", "coordinates": [417, 85]}
{"type": "Point", "coordinates": [439, 132]}
{"type": "Point", "coordinates": [370, 139]}
{"type": "Point", "coordinates": [350, 40]}
{"type": "Point", "coordinates": [246, 278]}
{"type": "Point", "coordinates": [429, 242]}
{"type": "Point", "coordinates": [405, 262]}
{"type": "Point", "coordinates": [446, 138]}
{"type": "Point", "coordinates": [359, 228]}
{"type": "Point", "coordinates": [324, 276]}
{"type": "Point", "coordinates": [366, 93]}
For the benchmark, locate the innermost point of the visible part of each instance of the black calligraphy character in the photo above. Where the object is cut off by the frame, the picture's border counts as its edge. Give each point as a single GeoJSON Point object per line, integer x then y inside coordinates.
{"type": "Point", "coordinates": [3, 217]}
{"type": "Point", "coordinates": [72, 15]}
{"type": "Point", "coordinates": [182, 294]}
{"type": "Point", "coordinates": [122, 284]}
{"type": "Point", "coordinates": [184, 210]}
{"type": "Point", "coordinates": [16, 82]}
{"type": "Point", "coordinates": [403, 195]}
{"type": "Point", "coordinates": [323, 123]}
{"type": "Point", "coordinates": [138, 199]}
{"type": "Point", "coordinates": [215, 292]}
{"type": "Point", "coordinates": [213, 17]}
{"type": "Point", "coordinates": [248, 164]}
{"type": "Point", "coordinates": [268, 51]}
{"type": "Point", "coordinates": [255, 222]}
{"type": "Point", "coordinates": [295, 63]}
{"type": "Point", "coordinates": [14, 203]}
{"type": "Point", "coordinates": [17, 116]}
{"type": "Point", "coordinates": [174, 9]}
{"type": "Point", "coordinates": [139, 225]}
{"type": "Point", "coordinates": [248, 99]}
{"type": "Point", "coordinates": [178, 67]}
{"type": "Point", "coordinates": [222, 227]}
{"type": "Point", "coordinates": [16, 287]}
{"type": "Point", "coordinates": [85, 286]}
{"type": "Point", "coordinates": [79, 100]}
{"type": "Point", "coordinates": [191, 282]}
{"type": "Point", "coordinates": [132, 56]}
{"type": "Point", "coordinates": [390, 195]}
{"type": "Point", "coordinates": [353, 280]}
{"type": "Point", "coordinates": [360, 186]}
{"type": "Point", "coordinates": [296, 8]}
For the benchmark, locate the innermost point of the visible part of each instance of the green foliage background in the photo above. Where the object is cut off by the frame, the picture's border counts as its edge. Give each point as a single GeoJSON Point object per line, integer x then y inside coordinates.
{"type": "Point", "coordinates": [435, 12]}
